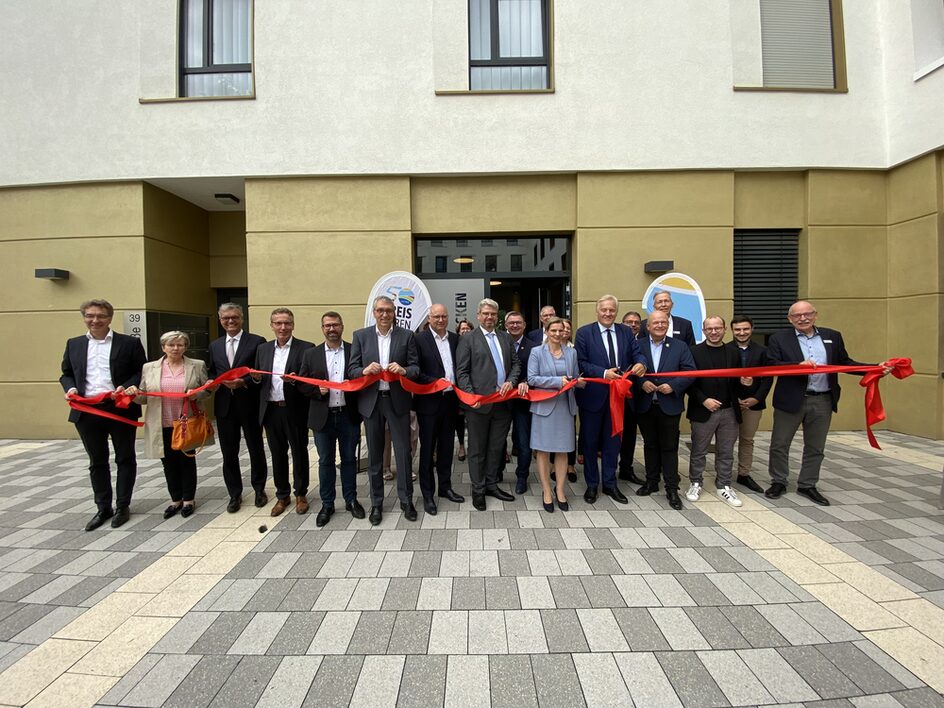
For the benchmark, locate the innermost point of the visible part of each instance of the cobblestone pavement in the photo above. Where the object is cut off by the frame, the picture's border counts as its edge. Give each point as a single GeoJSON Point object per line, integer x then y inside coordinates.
{"type": "Point", "coordinates": [775, 603]}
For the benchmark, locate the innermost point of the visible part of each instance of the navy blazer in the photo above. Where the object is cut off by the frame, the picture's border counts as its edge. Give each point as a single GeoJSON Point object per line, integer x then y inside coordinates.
{"type": "Point", "coordinates": [676, 356]}
{"type": "Point", "coordinates": [241, 399]}
{"type": "Point", "coordinates": [525, 347]}
{"type": "Point", "coordinates": [432, 369]}
{"type": "Point", "coordinates": [475, 367]}
{"type": "Point", "coordinates": [126, 361]}
{"type": "Point", "coordinates": [542, 374]}
{"type": "Point", "coordinates": [315, 366]}
{"type": "Point", "coordinates": [536, 336]}
{"type": "Point", "coordinates": [756, 356]}
{"type": "Point", "coordinates": [783, 348]}
{"type": "Point", "coordinates": [295, 401]}
{"type": "Point", "coordinates": [681, 329]}
{"type": "Point", "coordinates": [593, 360]}
{"type": "Point", "coordinates": [696, 394]}
{"type": "Point", "coordinates": [364, 350]}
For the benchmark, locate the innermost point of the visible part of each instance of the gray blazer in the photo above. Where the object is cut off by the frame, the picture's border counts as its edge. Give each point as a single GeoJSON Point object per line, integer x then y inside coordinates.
{"type": "Point", "coordinates": [542, 374]}
{"type": "Point", "coordinates": [475, 368]}
{"type": "Point", "coordinates": [364, 350]}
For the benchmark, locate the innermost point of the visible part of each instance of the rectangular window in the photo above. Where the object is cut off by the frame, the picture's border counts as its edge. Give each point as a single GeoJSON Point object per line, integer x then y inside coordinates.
{"type": "Point", "coordinates": [441, 264]}
{"type": "Point", "coordinates": [765, 276]}
{"type": "Point", "coordinates": [508, 45]}
{"type": "Point", "coordinates": [465, 264]}
{"type": "Point", "coordinates": [216, 48]}
{"type": "Point", "coordinates": [516, 262]}
{"type": "Point", "coordinates": [802, 44]}
{"type": "Point", "coordinates": [491, 264]}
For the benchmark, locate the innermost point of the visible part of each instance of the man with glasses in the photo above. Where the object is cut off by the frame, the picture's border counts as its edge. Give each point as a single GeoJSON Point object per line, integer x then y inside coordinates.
{"type": "Point", "coordinates": [679, 327]}
{"type": "Point", "coordinates": [102, 361]}
{"type": "Point", "coordinates": [809, 401]}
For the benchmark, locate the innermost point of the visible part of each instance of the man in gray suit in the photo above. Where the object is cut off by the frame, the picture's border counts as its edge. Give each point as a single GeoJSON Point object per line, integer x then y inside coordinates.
{"type": "Point", "coordinates": [386, 347]}
{"type": "Point", "coordinates": [486, 363]}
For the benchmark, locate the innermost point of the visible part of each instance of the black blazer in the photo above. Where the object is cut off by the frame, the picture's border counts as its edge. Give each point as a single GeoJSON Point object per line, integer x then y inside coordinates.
{"type": "Point", "coordinates": [364, 350]}
{"type": "Point", "coordinates": [783, 348]}
{"type": "Point", "coordinates": [296, 403]}
{"type": "Point", "coordinates": [536, 336]}
{"type": "Point", "coordinates": [524, 353]}
{"type": "Point", "coordinates": [431, 369]}
{"type": "Point", "coordinates": [681, 329]}
{"type": "Point", "coordinates": [756, 356]}
{"type": "Point", "coordinates": [245, 400]}
{"type": "Point", "coordinates": [315, 366]}
{"type": "Point", "coordinates": [696, 392]}
{"type": "Point", "coordinates": [126, 361]}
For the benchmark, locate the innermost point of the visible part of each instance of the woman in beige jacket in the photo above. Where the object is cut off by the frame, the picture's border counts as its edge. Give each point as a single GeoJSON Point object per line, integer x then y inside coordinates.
{"type": "Point", "coordinates": [176, 373]}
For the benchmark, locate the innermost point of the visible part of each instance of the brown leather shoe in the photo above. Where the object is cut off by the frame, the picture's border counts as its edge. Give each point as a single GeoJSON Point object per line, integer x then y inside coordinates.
{"type": "Point", "coordinates": [280, 506]}
{"type": "Point", "coordinates": [301, 505]}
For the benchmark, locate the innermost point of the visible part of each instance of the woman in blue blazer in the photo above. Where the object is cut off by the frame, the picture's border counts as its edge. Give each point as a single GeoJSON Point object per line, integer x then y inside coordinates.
{"type": "Point", "coordinates": [550, 367]}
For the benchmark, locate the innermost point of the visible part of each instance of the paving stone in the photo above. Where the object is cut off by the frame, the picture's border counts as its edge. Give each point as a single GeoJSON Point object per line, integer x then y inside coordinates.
{"type": "Point", "coordinates": [556, 682]}
{"type": "Point", "coordinates": [791, 626]}
{"type": "Point", "coordinates": [47, 625]}
{"type": "Point", "coordinates": [131, 679]}
{"type": "Point", "coordinates": [334, 683]}
{"type": "Point", "coordinates": [203, 682]}
{"type": "Point", "coordinates": [702, 590]}
{"type": "Point", "coordinates": [690, 679]}
{"type": "Point", "coordinates": [372, 633]}
{"type": "Point", "coordinates": [564, 632]}
{"type": "Point", "coordinates": [647, 683]}
{"type": "Point", "coordinates": [819, 672]}
{"type": "Point", "coordinates": [826, 622]}
{"type": "Point", "coordinates": [525, 632]}
{"type": "Point", "coordinates": [410, 634]}
{"type": "Point", "coordinates": [425, 563]}
{"type": "Point", "coordinates": [219, 636]}
{"type": "Point", "coordinates": [712, 624]}
{"type": "Point", "coordinates": [237, 595]}
{"type": "Point", "coordinates": [468, 593]}
{"type": "Point", "coordinates": [259, 633]}
{"type": "Point", "coordinates": [270, 595]}
{"type": "Point", "coordinates": [401, 594]}
{"type": "Point", "coordinates": [379, 681]}
{"type": "Point", "coordinates": [449, 632]}
{"type": "Point", "coordinates": [296, 634]}
{"type": "Point", "coordinates": [668, 590]}
{"type": "Point", "coordinates": [899, 672]}
{"type": "Point", "coordinates": [423, 681]}
{"type": "Point", "coordinates": [160, 681]}
{"type": "Point", "coordinates": [859, 668]}
{"type": "Point", "coordinates": [501, 594]}
{"type": "Point", "coordinates": [308, 565]}
{"type": "Point", "coordinates": [568, 592]}
{"type": "Point", "coordinates": [919, 698]}
{"type": "Point", "coordinates": [735, 680]}
{"type": "Point", "coordinates": [513, 563]}
{"type": "Point", "coordinates": [511, 681]}
{"type": "Point", "coordinates": [467, 681]}
{"type": "Point", "coordinates": [487, 634]}
{"type": "Point", "coordinates": [753, 627]}
{"type": "Point", "coordinates": [601, 591]}
{"type": "Point", "coordinates": [335, 632]}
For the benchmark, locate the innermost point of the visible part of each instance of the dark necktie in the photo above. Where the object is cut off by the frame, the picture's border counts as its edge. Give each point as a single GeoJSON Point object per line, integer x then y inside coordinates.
{"type": "Point", "coordinates": [609, 344]}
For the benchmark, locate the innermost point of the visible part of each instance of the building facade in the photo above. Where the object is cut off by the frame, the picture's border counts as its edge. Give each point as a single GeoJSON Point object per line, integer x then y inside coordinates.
{"type": "Point", "coordinates": [561, 144]}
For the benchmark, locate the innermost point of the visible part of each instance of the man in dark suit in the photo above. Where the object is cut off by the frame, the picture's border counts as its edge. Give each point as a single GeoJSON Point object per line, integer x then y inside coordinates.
{"type": "Point", "coordinates": [333, 418]}
{"type": "Point", "coordinates": [604, 350]}
{"type": "Point", "coordinates": [236, 405]}
{"type": "Point", "coordinates": [714, 413]}
{"type": "Point", "coordinates": [283, 411]}
{"type": "Point", "coordinates": [386, 347]}
{"type": "Point", "coordinates": [809, 401]}
{"type": "Point", "coordinates": [679, 327]}
{"type": "Point", "coordinates": [659, 407]}
{"type": "Point", "coordinates": [751, 399]}
{"type": "Point", "coordinates": [520, 409]}
{"type": "Point", "coordinates": [486, 363]}
{"type": "Point", "coordinates": [537, 335]}
{"type": "Point", "coordinates": [103, 361]}
{"type": "Point", "coordinates": [633, 320]}
{"type": "Point", "coordinates": [436, 412]}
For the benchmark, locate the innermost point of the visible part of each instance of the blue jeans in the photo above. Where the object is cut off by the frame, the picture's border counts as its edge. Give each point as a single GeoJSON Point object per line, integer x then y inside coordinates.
{"type": "Point", "coordinates": [339, 432]}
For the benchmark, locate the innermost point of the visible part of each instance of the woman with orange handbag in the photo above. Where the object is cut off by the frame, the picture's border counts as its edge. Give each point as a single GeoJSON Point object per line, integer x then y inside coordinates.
{"type": "Point", "coordinates": [173, 373]}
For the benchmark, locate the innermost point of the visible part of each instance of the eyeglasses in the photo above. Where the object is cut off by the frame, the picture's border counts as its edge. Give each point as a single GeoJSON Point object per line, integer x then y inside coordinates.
{"type": "Point", "coordinates": [802, 315]}
{"type": "Point", "coordinates": [383, 311]}
{"type": "Point", "coordinates": [230, 318]}
{"type": "Point", "coordinates": [97, 317]}
{"type": "Point", "coordinates": [714, 329]}
{"type": "Point", "coordinates": [439, 317]}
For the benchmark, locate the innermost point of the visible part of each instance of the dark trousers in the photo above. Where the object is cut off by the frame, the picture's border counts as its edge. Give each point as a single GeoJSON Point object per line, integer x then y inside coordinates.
{"type": "Point", "coordinates": [487, 434]}
{"type": "Point", "coordinates": [384, 416]}
{"type": "Point", "coordinates": [460, 427]}
{"type": "Point", "coordinates": [814, 417]}
{"type": "Point", "coordinates": [180, 470]}
{"type": "Point", "coordinates": [284, 434]}
{"type": "Point", "coordinates": [521, 436]}
{"type": "Point", "coordinates": [236, 424]}
{"type": "Point", "coordinates": [660, 434]}
{"type": "Point", "coordinates": [596, 428]}
{"type": "Point", "coordinates": [95, 431]}
{"type": "Point", "coordinates": [437, 434]}
{"type": "Point", "coordinates": [339, 433]}
{"type": "Point", "coordinates": [628, 444]}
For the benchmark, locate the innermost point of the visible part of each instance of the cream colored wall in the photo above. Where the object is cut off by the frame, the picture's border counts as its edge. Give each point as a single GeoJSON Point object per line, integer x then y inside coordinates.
{"type": "Point", "coordinates": [228, 249]}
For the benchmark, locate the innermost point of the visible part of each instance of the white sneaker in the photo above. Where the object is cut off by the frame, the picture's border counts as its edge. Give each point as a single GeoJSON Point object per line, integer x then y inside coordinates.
{"type": "Point", "coordinates": [730, 496]}
{"type": "Point", "coordinates": [693, 492]}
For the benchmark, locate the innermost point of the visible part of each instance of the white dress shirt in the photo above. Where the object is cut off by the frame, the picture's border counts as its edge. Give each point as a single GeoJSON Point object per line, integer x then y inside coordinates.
{"type": "Point", "coordinates": [232, 346]}
{"type": "Point", "coordinates": [606, 347]}
{"type": "Point", "coordinates": [279, 361]}
{"type": "Point", "coordinates": [383, 346]}
{"type": "Point", "coordinates": [334, 358]}
{"type": "Point", "coordinates": [98, 365]}
{"type": "Point", "coordinates": [445, 353]}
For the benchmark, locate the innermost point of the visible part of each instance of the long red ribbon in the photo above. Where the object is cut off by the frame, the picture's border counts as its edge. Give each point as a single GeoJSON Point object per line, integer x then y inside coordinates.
{"type": "Point", "coordinates": [620, 389]}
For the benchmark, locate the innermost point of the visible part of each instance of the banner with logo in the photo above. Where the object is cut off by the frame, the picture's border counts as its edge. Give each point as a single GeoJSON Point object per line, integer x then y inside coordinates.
{"type": "Point", "coordinates": [410, 298]}
{"type": "Point", "coordinates": [687, 299]}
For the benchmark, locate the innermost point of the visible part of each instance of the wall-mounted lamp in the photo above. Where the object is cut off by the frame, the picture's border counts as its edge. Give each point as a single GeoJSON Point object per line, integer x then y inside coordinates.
{"type": "Point", "coordinates": [226, 198]}
{"type": "Point", "coordinates": [659, 266]}
{"type": "Point", "coordinates": [51, 274]}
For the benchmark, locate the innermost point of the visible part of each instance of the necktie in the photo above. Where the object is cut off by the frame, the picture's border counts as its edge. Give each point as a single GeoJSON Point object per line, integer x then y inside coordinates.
{"type": "Point", "coordinates": [612, 352]}
{"type": "Point", "coordinates": [496, 355]}
{"type": "Point", "coordinates": [231, 351]}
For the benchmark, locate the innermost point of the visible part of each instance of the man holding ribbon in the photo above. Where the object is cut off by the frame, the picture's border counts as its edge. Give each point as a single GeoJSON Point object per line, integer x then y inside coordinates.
{"type": "Point", "coordinates": [104, 362]}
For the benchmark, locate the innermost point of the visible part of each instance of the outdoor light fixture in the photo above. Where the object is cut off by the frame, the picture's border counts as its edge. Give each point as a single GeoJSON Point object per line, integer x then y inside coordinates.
{"type": "Point", "coordinates": [463, 259]}
{"type": "Point", "coordinates": [226, 198]}
{"type": "Point", "coordinates": [51, 274]}
{"type": "Point", "coordinates": [494, 282]}
{"type": "Point", "coordinates": [659, 266]}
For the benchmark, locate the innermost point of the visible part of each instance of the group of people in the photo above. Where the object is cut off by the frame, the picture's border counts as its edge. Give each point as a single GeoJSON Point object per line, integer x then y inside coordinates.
{"type": "Point", "coordinates": [482, 361]}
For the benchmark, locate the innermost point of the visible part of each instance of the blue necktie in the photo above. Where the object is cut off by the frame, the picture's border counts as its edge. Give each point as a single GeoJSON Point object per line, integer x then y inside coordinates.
{"type": "Point", "coordinates": [496, 355]}
{"type": "Point", "coordinates": [612, 351]}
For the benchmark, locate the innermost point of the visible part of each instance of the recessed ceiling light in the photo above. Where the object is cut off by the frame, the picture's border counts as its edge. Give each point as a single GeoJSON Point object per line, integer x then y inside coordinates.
{"type": "Point", "coordinates": [463, 260]}
{"type": "Point", "coordinates": [226, 198]}
{"type": "Point", "coordinates": [494, 282]}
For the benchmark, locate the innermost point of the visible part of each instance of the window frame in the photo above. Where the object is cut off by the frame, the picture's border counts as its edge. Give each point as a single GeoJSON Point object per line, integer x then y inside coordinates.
{"type": "Point", "coordinates": [208, 67]}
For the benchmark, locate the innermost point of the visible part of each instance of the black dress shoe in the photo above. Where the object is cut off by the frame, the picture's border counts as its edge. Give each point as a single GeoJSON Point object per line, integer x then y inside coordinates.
{"type": "Point", "coordinates": [564, 506]}
{"type": "Point", "coordinates": [357, 511]}
{"type": "Point", "coordinates": [499, 494]}
{"type": "Point", "coordinates": [572, 477]}
{"type": "Point", "coordinates": [630, 476]}
{"type": "Point", "coordinates": [674, 501]}
{"type": "Point", "coordinates": [324, 516]}
{"type": "Point", "coordinates": [452, 496]}
{"type": "Point", "coordinates": [647, 489]}
{"type": "Point", "coordinates": [409, 511]}
{"type": "Point", "coordinates": [121, 516]}
{"type": "Point", "coordinates": [261, 499]}
{"type": "Point", "coordinates": [376, 515]}
{"type": "Point", "coordinates": [234, 504]}
{"type": "Point", "coordinates": [590, 496]}
{"type": "Point", "coordinates": [429, 506]}
{"type": "Point", "coordinates": [548, 506]}
{"type": "Point", "coordinates": [748, 481]}
{"type": "Point", "coordinates": [478, 502]}
{"type": "Point", "coordinates": [616, 495]}
{"type": "Point", "coordinates": [171, 511]}
{"type": "Point", "coordinates": [810, 493]}
{"type": "Point", "coordinates": [100, 518]}
{"type": "Point", "coordinates": [775, 491]}
{"type": "Point", "coordinates": [187, 511]}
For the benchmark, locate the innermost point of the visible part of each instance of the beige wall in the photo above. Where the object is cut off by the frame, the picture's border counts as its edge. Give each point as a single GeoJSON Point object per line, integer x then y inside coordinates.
{"type": "Point", "coordinates": [228, 249]}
